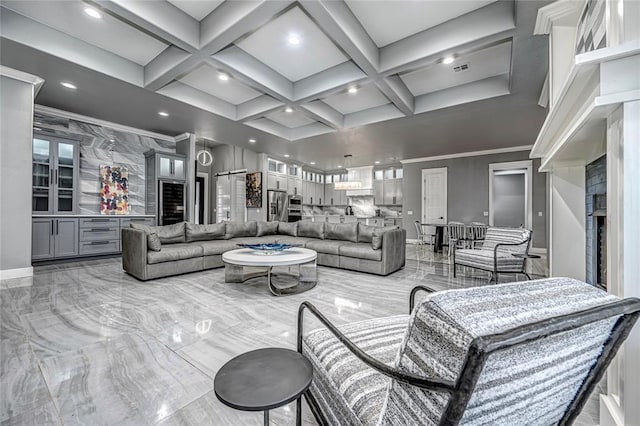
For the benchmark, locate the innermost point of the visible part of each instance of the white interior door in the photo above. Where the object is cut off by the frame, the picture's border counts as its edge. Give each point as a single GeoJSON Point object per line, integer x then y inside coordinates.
{"type": "Point", "coordinates": [231, 200]}
{"type": "Point", "coordinates": [223, 199]}
{"type": "Point", "coordinates": [434, 195]}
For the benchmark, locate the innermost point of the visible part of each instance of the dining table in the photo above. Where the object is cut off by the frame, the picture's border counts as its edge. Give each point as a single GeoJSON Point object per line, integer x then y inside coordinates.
{"type": "Point", "coordinates": [439, 240]}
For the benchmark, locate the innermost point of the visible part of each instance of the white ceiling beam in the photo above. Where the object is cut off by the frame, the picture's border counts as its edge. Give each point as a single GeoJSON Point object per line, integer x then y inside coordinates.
{"type": "Point", "coordinates": [478, 90]}
{"type": "Point", "coordinates": [339, 24]}
{"type": "Point", "coordinates": [234, 19]}
{"type": "Point", "coordinates": [394, 88]}
{"type": "Point", "coordinates": [309, 130]}
{"type": "Point", "coordinates": [258, 107]}
{"type": "Point", "coordinates": [443, 39]}
{"type": "Point", "coordinates": [245, 67]}
{"type": "Point", "coordinates": [189, 95]}
{"type": "Point", "coordinates": [159, 19]}
{"type": "Point", "coordinates": [269, 126]}
{"type": "Point", "coordinates": [327, 82]}
{"type": "Point", "coordinates": [372, 115]}
{"type": "Point", "coordinates": [157, 72]}
{"type": "Point", "coordinates": [324, 111]}
{"type": "Point", "coordinates": [18, 28]}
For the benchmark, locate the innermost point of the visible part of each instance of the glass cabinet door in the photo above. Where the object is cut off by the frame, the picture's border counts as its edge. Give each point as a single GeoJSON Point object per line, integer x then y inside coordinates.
{"type": "Point", "coordinates": [41, 175]}
{"type": "Point", "coordinates": [165, 167]}
{"type": "Point", "coordinates": [178, 168]}
{"type": "Point", "coordinates": [65, 177]}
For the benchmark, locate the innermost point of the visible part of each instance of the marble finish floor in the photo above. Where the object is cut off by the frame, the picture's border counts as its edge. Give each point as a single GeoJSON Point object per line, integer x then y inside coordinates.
{"type": "Point", "coordinates": [85, 343]}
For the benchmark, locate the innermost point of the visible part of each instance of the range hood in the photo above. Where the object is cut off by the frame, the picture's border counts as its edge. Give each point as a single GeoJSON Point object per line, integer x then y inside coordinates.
{"type": "Point", "coordinates": [359, 182]}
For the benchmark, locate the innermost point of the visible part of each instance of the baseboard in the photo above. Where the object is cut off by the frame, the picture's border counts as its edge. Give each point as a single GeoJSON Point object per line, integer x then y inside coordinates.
{"type": "Point", "coordinates": [538, 251]}
{"type": "Point", "coordinates": [8, 274]}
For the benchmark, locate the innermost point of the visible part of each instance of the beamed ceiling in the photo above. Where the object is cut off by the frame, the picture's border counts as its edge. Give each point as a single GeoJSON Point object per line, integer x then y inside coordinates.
{"type": "Point", "coordinates": [281, 71]}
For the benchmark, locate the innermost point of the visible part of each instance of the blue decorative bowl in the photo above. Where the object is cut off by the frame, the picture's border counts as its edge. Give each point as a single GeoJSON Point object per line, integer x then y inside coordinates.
{"type": "Point", "coordinates": [269, 248]}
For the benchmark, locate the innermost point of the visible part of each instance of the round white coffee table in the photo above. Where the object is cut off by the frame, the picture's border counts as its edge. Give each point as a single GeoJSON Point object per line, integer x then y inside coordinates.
{"type": "Point", "coordinates": [279, 284]}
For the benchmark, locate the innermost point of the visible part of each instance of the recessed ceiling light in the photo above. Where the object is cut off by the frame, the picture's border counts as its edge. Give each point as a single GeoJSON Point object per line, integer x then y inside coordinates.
{"type": "Point", "coordinates": [288, 109]}
{"type": "Point", "coordinates": [68, 85]}
{"type": "Point", "coordinates": [313, 163]}
{"type": "Point", "coordinates": [339, 167]}
{"type": "Point", "coordinates": [448, 60]}
{"type": "Point", "coordinates": [252, 140]}
{"type": "Point", "coordinates": [376, 162]}
{"type": "Point", "coordinates": [93, 13]}
{"type": "Point", "coordinates": [112, 140]}
{"type": "Point", "coordinates": [164, 114]}
{"type": "Point", "coordinates": [352, 89]}
{"type": "Point", "coordinates": [293, 40]}
{"type": "Point", "coordinates": [287, 156]}
{"type": "Point", "coordinates": [223, 76]}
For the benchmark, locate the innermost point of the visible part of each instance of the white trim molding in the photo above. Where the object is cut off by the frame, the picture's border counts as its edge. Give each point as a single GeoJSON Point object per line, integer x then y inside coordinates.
{"type": "Point", "coordinates": [98, 122]}
{"type": "Point", "coordinates": [23, 76]}
{"type": "Point", "coordinates": [565, 11]}
{"type": "Point", "coordinates": [8, 274]}
{"type": "Point", "coordinates": [468, 154]}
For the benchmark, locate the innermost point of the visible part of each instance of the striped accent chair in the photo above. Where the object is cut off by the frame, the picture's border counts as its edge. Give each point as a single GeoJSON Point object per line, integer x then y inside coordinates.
{"type": "Point", "coordinates": [510, 354]}
{"type": "Point", "coordinates": [497, 252]}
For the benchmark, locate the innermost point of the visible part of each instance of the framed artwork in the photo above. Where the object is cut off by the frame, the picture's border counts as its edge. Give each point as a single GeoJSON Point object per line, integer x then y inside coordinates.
{"type": "Point", "coordinates": [114, 190]}
{"type": "Point", "coordinates": [254, 190]}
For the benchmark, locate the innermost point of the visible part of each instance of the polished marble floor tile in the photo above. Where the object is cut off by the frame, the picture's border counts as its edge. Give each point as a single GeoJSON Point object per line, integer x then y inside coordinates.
{"type": "Point", "coordinates": [85, 343]}
{"type": "Point", "coordinates": [123, 380]}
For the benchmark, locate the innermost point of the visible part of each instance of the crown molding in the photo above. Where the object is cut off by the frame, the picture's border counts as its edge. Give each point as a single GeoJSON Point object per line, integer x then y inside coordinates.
{"type": "Point", "coordinates": [98, 122]}
{"type": "Point", "coordinates": [36, 81]}
{"type": "Point", "coordinates": [555, 11]}
{"type": "Point", "coordinates": [468, 154]}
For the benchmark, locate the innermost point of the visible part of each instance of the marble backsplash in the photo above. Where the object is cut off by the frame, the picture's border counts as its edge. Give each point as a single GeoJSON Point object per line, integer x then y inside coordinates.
{"type": "Point", "coordinates": [362, 206]}
{"type": "Point", "coordinates": [103, 145]}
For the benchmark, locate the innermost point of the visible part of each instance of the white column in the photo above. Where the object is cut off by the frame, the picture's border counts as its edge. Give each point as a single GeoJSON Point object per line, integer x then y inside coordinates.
{"type": "Point", "coordinates": [187, 147]}
{"type": "Point", "coordinates": [620, 405]}
{"type": "Point", "coordinates": [567, 206]}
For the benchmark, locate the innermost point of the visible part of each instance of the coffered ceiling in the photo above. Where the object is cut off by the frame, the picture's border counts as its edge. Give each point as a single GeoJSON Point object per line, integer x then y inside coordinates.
{"type": "Point", "coordinates": [295, 70]}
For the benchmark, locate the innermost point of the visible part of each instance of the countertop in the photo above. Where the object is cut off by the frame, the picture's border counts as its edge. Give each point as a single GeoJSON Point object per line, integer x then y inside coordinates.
{"type": "Point", "coordinates": [94, 215]}
{"type": "Point", "coordinates": [357, 217]}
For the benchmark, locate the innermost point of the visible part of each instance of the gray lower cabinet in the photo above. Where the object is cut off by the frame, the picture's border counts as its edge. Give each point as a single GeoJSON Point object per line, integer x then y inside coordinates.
{"type": "Point", "coordinates": [52, 238]}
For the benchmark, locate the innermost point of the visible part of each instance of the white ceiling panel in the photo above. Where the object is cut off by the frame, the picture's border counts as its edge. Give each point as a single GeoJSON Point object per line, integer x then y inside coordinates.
{"type": "Point", "coordinates": [314, 53]}
{"type": "Point", "coordinates": [197, 9]}
{"type": "Point", "coordinates": [482, 64]}
{"type": "Point", "coordinates": [291, 120]}
{"type": "Point", "coordinates": [205, 78]}
{"type": "Point", "coordinates": [389, 21]}
{"type": "Point", "coordinates": [365, 98]}
{"type": "Point", "coordinates": [107, 33]}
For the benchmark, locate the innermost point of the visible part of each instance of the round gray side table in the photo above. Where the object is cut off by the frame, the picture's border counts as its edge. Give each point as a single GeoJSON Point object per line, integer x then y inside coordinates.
{"type": "Point", "coordinates": [264, 379]}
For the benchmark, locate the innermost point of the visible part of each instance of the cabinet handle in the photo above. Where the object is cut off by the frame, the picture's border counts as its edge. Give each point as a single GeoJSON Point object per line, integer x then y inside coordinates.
{"type": "Point", "coordinates": [50, 176]}
{"type": "Point", "coordinates": [139, 219]}
{"type": "Point", "coordinates": [99, 243]}
{"type": "Point", "coordinates": [52, 225]}
{"type": "Point", "coordinates": [55, 173]}
{"type": "Point", "coordinates": [100, 229]}
{"type": "Point", "coordinates": [99, 220]}
{"type": "Point", "coordinates": [57, 226]}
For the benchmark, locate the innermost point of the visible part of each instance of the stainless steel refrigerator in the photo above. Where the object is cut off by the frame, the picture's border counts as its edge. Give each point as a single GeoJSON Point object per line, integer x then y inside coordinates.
{"type": "Point", "coordinates": [278, 203]}
{"type": "Point", "coordinates": [171, 202]}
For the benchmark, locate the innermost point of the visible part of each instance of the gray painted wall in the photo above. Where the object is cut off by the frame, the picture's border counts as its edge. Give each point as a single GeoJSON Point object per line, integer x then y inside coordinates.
{"type": "Point", "coordinates": [16, 126]}
{"type": "Point", "coordinates": [468, 191]}
{"type": "Point", "coordinates": [508, 200]}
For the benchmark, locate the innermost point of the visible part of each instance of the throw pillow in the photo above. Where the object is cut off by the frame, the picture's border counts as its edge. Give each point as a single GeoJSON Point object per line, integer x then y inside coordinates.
{"type": "Point", "coordinates": [288, 228]}
{"type": "Point", "coordinates": [311, 229]}
{"type": "Point", "coordinates": [342, 231]}
{"type": "Point", "coordinates": [214, 231]}
{"type": "Point", "coordinates": [365, 233]}
{"type": "Point", "coordinates": [153, 242]}
{"type": "Point", "coordinates": [168, 234]}
{"type": "Point", "coordinates": [376, 239]}
{"type": "Point", "coordinates": [267, 228]}
{"type": "Point", "coordinates": [241, 229]}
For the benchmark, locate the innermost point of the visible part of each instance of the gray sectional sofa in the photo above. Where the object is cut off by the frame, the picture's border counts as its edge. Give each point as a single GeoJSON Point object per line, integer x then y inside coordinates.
{"type": "Point", "coordinates": [150, 252]}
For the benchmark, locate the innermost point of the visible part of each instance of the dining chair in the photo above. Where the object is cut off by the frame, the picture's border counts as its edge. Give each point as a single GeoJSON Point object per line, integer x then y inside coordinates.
{"type": "Point", "coordinates": [456, 232]}
{"type": "Point", "coordinates": [478, 230]}
{"type": "Point", "coordinates": [422, 237]}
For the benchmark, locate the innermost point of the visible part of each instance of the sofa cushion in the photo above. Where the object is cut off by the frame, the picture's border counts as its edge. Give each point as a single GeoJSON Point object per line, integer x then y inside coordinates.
{"type": "Point", "coordinates": [168, 234]}
{"type": "Point", "coordinates": [324, 246]}
{"type": "Point", "coordinates": [360, 251]}
{"type": "Point", "coordinates": [153, 242]}
{"type": "Point", "coordinates": [241, 229]}
{"type": "Point", "coordinates": [483, 259]}
{"type": "Point", "coordinates": [178, 251]}
{"type": "Point", "coordinates": [215, 247]}
{"type": "Point", "coordinates": [376, 236]}
{"type": "Point", "coordinates": [347, 390]}
{"type": "Point", "coordinates": [214, 231]}
{"type": "Point", "coordinates": [288, 228]}
{"type": "Point", "coordinates": [267, 239]}
{"type": "Point", "coordinates": [540, 376]}
{"type": "Point", "coordinates": [311, 230]}
{"type": "Point", "coordinates": [299, 241]}
{"type": "Point", "coordinates": [342, 231]}
{"type": "Point", "coordinates": [267, 228]}
{"type": "Point", "coordinates": [365, 233]}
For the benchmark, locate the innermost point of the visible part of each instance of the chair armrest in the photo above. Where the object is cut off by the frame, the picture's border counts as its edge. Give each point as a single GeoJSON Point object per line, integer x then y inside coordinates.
{"type": "Point", "coordinates": [410, 379]}
{"type": "Point", "coordinates": [412, 295]}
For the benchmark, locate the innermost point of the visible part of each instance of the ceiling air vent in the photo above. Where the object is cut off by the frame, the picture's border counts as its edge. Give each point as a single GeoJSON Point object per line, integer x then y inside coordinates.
{"type": "Point", "coordinates": [462, 67]}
